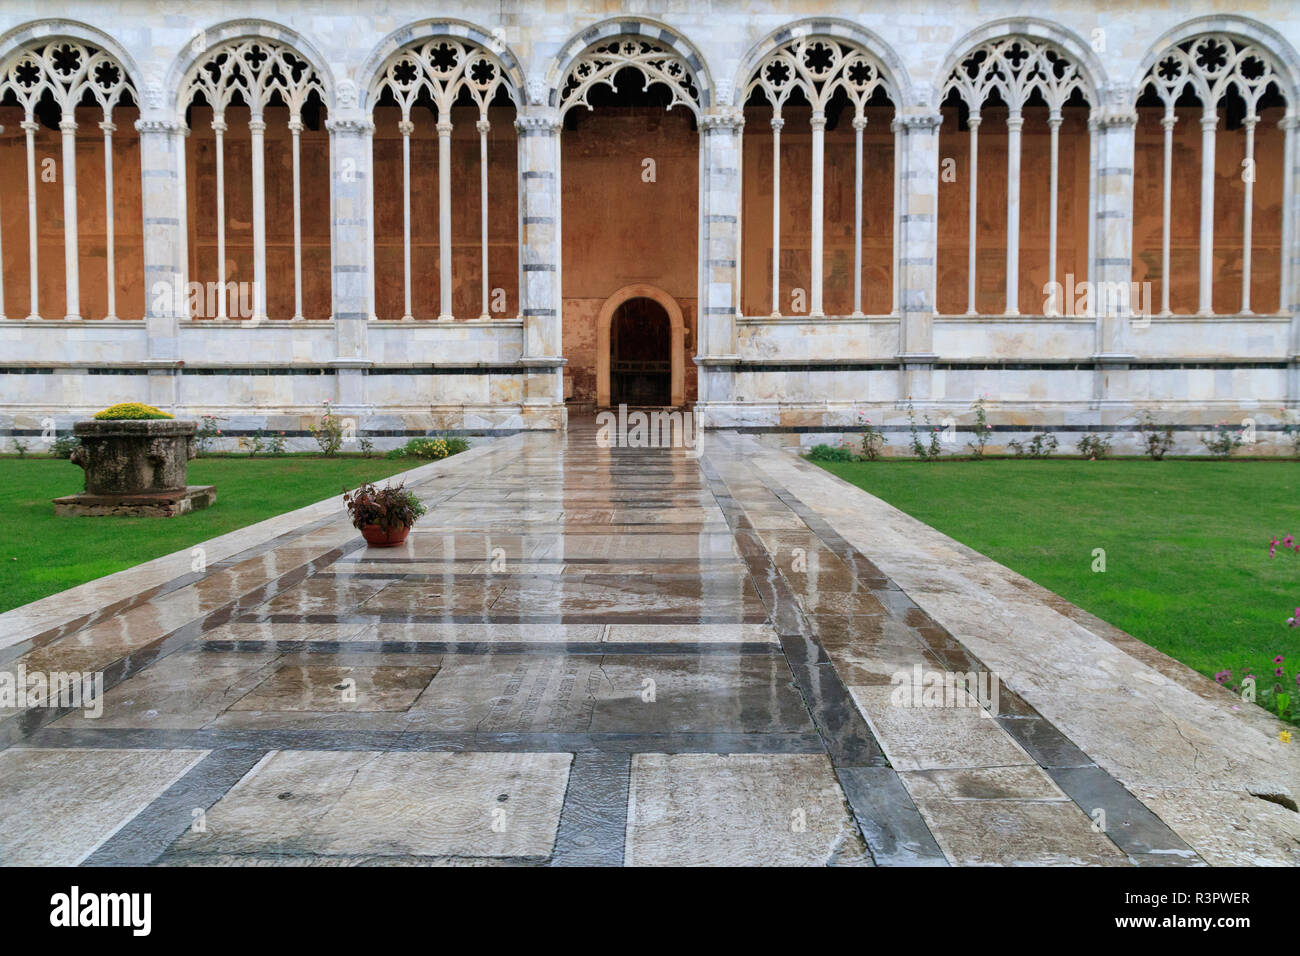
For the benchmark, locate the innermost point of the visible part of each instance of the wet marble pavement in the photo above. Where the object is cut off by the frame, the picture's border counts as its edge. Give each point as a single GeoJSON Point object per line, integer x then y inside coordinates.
{"type": "Point", "coordinates": [585, 655]}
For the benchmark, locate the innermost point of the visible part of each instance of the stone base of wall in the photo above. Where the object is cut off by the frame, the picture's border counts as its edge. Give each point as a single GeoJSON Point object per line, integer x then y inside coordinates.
{"type": "Point", "coordinates": [1264, 427]}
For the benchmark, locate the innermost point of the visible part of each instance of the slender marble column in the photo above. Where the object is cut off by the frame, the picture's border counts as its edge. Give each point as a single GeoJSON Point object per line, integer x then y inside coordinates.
{"type": "Point", "coordinates": [1288, 125]}
{"type": "Point", "coordinates": [1054, 125]}
{"type": "Point", "coordinates": [71, 266]}
{"type": "Point", "coordinates": [444, 219]}
{"type": "Point", "coordinates": [1248, 213]}
{"type": "Point", "coordinates": [109, 252]}
{"type": "Point", "coordinates": [1167, 123]}
{"type": "Point", "coordinates": [859, 123]}
{"type": "Point", "coordinates": [777, 123]}
{"type": "Point", "coordinates": [295, 133]}
{"type": "Point", "coordinates": [818, 204]}
{"type": "Point", "coordinates": [900, 135]}
{"type": "Point", "coordinates": [257, 129]}
{"type": "Point", "coordinates": [483, 126]}
{"type": "Point", "coordinates": [1014, 123]}
{"type": "Point", "coordinates": [219, 131]}
{"type": "Point", "coordinates": [1209, 120]}
{"type": "Point", "coordinates": [29, 127]}
{"type": "Point", "coordinates": [406, 127]}
{"type": "Point", "coordinates": [973, 121]}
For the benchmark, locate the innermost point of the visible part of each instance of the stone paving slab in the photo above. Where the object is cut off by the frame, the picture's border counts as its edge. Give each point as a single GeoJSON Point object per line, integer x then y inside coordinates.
{"type": "Point", "coordinates": [593, 656]}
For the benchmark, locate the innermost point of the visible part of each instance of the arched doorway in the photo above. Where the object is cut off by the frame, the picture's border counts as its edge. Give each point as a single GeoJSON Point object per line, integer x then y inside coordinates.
{"type": "Point", "coordinates": [640, 340]}
{"type": "Point", "coordinates": [640, 357]}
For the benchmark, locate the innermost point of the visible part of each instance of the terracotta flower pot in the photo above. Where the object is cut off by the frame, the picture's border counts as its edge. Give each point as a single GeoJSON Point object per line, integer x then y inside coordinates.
{"type": "Point", "coordinates": [377, 537]}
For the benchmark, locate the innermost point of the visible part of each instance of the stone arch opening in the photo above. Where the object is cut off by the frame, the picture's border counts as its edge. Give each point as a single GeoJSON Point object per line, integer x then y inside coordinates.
{"type": "Point", "coordinates": [640, 344]}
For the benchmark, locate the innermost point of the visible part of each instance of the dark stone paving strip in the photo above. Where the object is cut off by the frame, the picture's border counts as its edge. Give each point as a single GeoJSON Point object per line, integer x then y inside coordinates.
{"type": "Point", "coordinates": [890, 822]}
{"type": "Point", "coordinates": [684, 620]}
{"type": "Point", "coordinates": [1131, 825]}
{"type": "Point", "coordinates": [621, 648]}
{"type": "Point", "coordinates": [1146, 838]}
{"type": "Point", "coordinates": [593, 821]}
{"type": "Point", "coordinates": [150, 832]}
{"type": "Point", "coordinates": [892, 828]}
{"type": "Point", "coordinates": [504, 742]}
{"type": "Point", "coordinates": [438, 559]}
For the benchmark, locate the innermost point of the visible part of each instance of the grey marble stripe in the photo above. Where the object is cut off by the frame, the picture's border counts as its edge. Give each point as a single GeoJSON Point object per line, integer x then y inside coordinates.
{"type": "Point", "coordinates": [151, 831]}
{"type": "Point", "coordinates": [585, 648]}
{"type": "Point", "coordinates": [593, 821]}
{"type": "Point", "coordinates": [112, 738]}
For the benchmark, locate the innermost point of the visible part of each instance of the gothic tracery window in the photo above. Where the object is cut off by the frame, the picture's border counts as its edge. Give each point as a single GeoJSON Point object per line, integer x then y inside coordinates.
{"type": "Point", "coordinates": [1227, 87]}
{"type": "Point", "coordinates": [257, 78]}
{"type": "Point", "coordinates": [47, 86]}
{"type": "Point", "coordinates": [836, 85]}
{"type": "Point", "coordinates": [443, 76]}
{"type": "Point", "coordinates": [1008, 76]}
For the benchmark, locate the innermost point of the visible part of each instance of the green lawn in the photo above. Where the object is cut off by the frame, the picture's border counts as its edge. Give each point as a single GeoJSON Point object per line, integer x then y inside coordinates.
{"type": "Point", "coordinates": [41, 554]}
{"type": "Point", "coordinates": [1187, 565]}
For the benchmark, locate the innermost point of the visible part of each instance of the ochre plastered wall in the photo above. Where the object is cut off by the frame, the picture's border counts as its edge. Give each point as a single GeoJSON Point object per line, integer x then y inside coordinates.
{"type": "Point", "coordinates": [620, 230]}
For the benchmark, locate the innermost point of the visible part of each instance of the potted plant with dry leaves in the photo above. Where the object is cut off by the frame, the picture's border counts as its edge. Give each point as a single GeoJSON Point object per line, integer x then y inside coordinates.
{"type": "Point", "coordinates": [383, 515]}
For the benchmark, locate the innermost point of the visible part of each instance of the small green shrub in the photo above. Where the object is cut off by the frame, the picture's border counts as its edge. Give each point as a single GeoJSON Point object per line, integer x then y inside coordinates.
{"type": "Point", "coordinates": [1222, 441]}
{"type": "Point", "coordinates": [431, 449]}
{"type": "Point", "coordinates": [1040, 446]}
{"type": "Point", "coordinates": [1158, 440]}
{"type": "Point", "coordinates": [130, 411]}
{"type": "Point", "coordinates": [208, 432]}
{"type": "Point", "coordinates": [328, 433]}
{"type": "Point", "coordinates": [64, 446]}
{"type": "Point", "coordinates": [830, 453]}
{"type": "Point", "coordinates": [1094, 446]}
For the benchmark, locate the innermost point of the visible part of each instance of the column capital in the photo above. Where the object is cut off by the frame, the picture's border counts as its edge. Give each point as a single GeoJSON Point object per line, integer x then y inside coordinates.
{"type": "Point", "coordinates": [350, 124]}
{"type": "Point", "coordinates": [68, 125]}
{"type": "Point", "coordinates": [108, 128]}
{"type": "Point", "coordinates": [859, 122]}
{"type": "Point", "coordinates": [219, 124]}
{"type": "Point", "coordinates": [257, 125]}
{"type": "Point", "coordinates": [1209, 119]}
{"type": "Point", "coordinates": [777, 122]}
{"type": "Point", "coordinates": [538, 121]}
{"type": "Point", "coordinates": [1169, 120]}
{"type": "Point", "coordinates": [923, 121]}
{"type": "Point", "coordinates": [406, 127]}
{"type": "Point", "coordinates": [30, 126]}
{"type": "Point", "coordinates": [483, 126]}
{"type": "Point", "coordinates": [161, 126]}
{"type": "Point", "coordinates": [1290, 121]}
{"type": "Point", "coordinates": [818, 120]}
{"type": "Point", "coordinates": [1015, 120]}
{"type": "Point", "coordinates": [296, 125]}
{"type": "Point", "coordinates": [1054, 119]}
{"type": "Point", "coordinates": [444, 127]}
{"type": "Point", "coordinates": [723, 118]}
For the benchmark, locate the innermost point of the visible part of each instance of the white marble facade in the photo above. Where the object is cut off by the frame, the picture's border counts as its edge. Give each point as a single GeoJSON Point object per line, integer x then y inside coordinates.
{"type": "Point", "coordinates": [1070, 373]}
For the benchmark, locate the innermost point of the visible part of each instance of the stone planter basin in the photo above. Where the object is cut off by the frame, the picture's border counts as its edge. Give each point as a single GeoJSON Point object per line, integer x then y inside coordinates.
{"type": "Point", "coordinates": [135, 468]}
{"type": "Point", "coordinates": [130, 457]}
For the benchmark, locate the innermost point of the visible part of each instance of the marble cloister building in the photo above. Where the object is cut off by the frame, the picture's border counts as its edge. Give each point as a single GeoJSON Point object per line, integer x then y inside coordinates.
{"type": "Point", "coordinates": [785, 215]}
